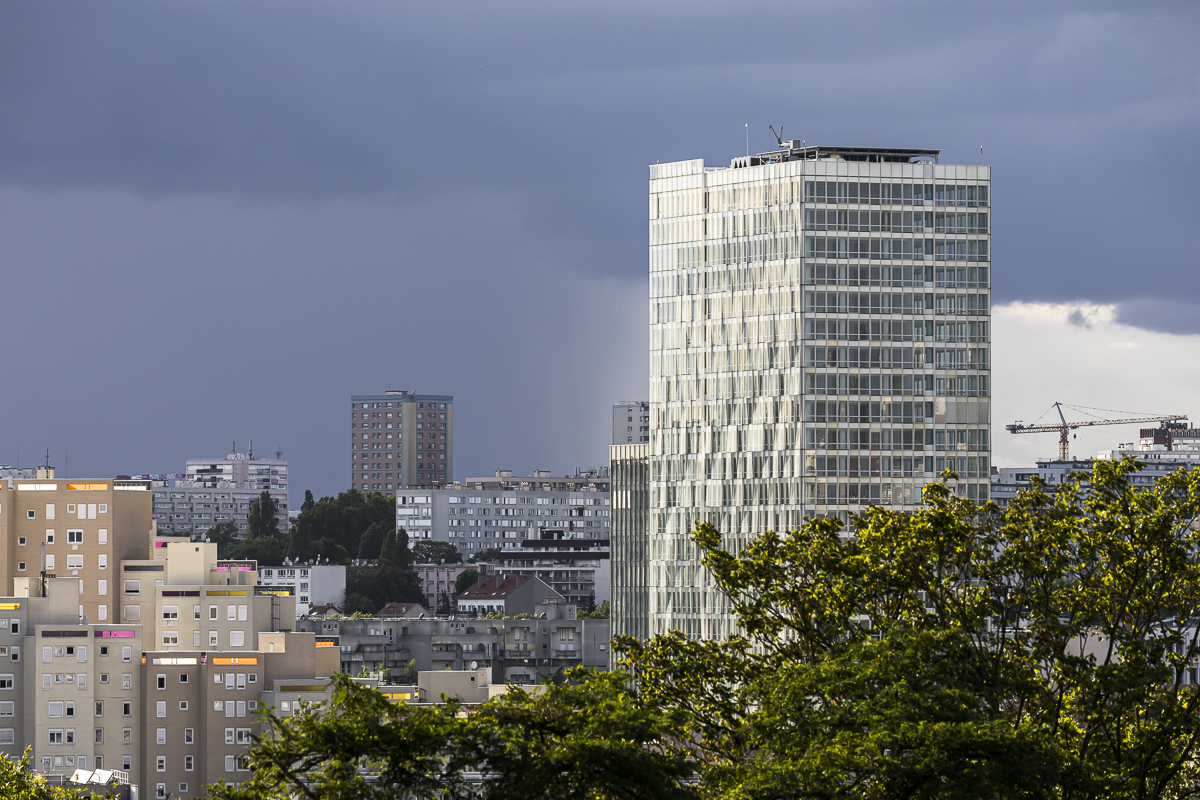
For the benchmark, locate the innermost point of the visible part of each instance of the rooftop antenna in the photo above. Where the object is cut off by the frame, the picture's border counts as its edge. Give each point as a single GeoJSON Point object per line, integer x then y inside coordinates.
{"type": "Point", "coordinates": [278, 453]}
{"type": "Point", "coordinates": [235, 445]}
{"type": "Point", "coordinates": [251, 448]}
{"type": "Point", "coordinates": [747, 140]}
{"type": "Point", "coordinates": [778, 136]}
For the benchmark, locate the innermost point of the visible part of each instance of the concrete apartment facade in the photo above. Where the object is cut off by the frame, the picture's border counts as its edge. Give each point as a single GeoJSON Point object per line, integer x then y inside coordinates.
{"type": "Point", "coordinates": [87, 527]}
{"type": "Point", "coordinates": [151, 657]}
{"type": "Point", "coordinates": [500, 512]}
{"type": "Point", "coordinates": [576, 567]}
{"type": "Point", "coordinates": [514, 650]}
{"type": "Point", "coordinates": [401, 439]}
{"type": "Point", "coordinates": [631, 422]}
{"type": "Point", "coordinates": [311, 584]}
{"type": "Point", "coordinates": [220, 490]}
{"type": "Point", "coordinates": [819, 341]}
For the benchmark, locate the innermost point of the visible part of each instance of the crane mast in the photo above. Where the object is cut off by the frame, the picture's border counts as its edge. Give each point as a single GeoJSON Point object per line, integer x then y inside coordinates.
{"type": "Point", "coordinates": [1064, 428]}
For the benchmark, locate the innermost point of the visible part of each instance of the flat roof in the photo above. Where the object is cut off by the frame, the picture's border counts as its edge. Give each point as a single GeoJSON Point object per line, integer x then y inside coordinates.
{"type": "Point", "coordinates": [790, 151]}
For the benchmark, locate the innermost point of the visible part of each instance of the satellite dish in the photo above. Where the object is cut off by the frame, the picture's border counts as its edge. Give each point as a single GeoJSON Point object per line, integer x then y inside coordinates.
{"type": "Point", "coordinates": [474, 665]}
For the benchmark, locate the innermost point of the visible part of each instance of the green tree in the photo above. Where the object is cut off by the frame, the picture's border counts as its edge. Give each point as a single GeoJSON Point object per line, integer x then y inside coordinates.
{"type": "Point", "coordinates": [224, 534]}
{"type": "Point", "coordinates": [588, 738]}
{"type": "Point", "coordinates": [395, 549]}
{"type": "Point", "coordinates": [600, 612]}
{"type": "Point", "coordinates": [333, 527]}
{"type": "Point", "coordinates": [19, 782]}
{"type": "Point", "coordinates": [370, 546]}
{"type": "Point", "coordinates": [465, 580]}
{"type": "Point", "coordinates": [369, 589]}
{"type": "Point", "coordinates": [956, 651]}
{"type": "Point", "coordinates": [490, 554]}
{"type": "Point", "coordinates": [309, 502]}
{"type": "Point", "coordinates": [430, 552]}
{"type": "Point", "coordinates": [261, 521]}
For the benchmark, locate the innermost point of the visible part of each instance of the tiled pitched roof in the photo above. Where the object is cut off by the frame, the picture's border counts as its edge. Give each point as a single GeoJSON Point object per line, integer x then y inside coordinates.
{"type": "Point", "coordinates": [491, 587]}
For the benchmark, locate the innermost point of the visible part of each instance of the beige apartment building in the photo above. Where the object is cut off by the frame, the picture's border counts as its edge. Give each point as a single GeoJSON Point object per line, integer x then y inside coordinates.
{"type": "Point", "coordinates": [138, 654]}
{"type": "Point", "coordinates": [87, 527]}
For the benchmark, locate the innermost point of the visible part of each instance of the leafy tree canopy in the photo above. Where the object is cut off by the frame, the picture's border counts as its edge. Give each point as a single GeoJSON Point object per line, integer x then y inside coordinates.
{"type": "Point", "coordinates": [957, 651]}
{"type": "Point", "coordinates": [261, 521]}
{"type": "Point", "coordinates": [436, 553]}
{"type": "Point", "coordinates": [486, 555]}
{"type": "Point", "coordinates": [19, 782]}
{"type": "Point", "coordinates": [333, 526]}
{"type": "Point", "coordinates": [600, 612]}
{"type": "Point", "coordinates": [465, 580]}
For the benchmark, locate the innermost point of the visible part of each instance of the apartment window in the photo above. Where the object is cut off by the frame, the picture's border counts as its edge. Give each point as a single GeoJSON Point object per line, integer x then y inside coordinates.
{"type": "Point", "coordinates": [7, 708]}
{"type": "Point", "coordinates": [127, 708]}
{"type": "Point", "coordinates": [170, 612]}
{"type": "Point", "coordinates": [160, 765]}
{"type": "Point", "coordinates": [170, 638]}
{"type": "Point", "coordinates": [104, 677]}
{"type": "Point", "coordinates": [102, 562]}
{"type": "Point", "coordinates": [195, 612]}
{"type": "Point", "coordinates": [56, 736]}
{"type": "Point", "coordinates": [133, 587]}
{"type": "Point", "coordinates": [237, 638]}
{"type": "Point", "coordinates": [161, 708]}
{"type": "Point", "coordinates": [212, 638]}
{"type": "Point", "coordinates": [46, 679]}
{"type": "Point", "coordinates": [74, 537]}
{"type": "Point", "coordinates": [127, 761]}
{"type": "Point", "coordinates": [70, 739]}
{"type": "Point", "coordinates": [98, 736]}
{"type": "Point", "coordinates": [20, 566]}
{"type": "Point", "coordinates": [102, 588]}
{"type": "Point", "coordinates": [55, 709]}
{"type": "Point", "coordinates": [189, 736]}
{"type": "Point", "coordinates": [8, 735]}
{"type": "Point", "coordinates": [127, 654]}
{"type": "Point", "coordinates": [160, 789]}
{"type": "Point", "coordinates": [75, 561]}
{"type": "Point", "coordinates": [183, 787]}
{"type": "Point", "coordinates": [231, 613]}
{"type": "Point", "coordinates": [100, 707]}
{"type": "Point", "coordinates": [229, 736]}
{"type": "Point", "coordinates": [20, 541]}
{"type": "Point", "coordinates": [70, 708]}
{"type": "Point", "coordinates": [49, 561]}
{"type": "Point", "coordinates": [183, 705]}
{"type": "Point", "coordinates": [31, 514]}
{"type": "Point", "coordinates": [160, 736]}
{"type": "Point", "coordinates": [183, 677]}
{"type": "Point", "coordinates": [162, 681]}
{"type": "Point", "coordinates": [6, 681]}
{"type": "Point", "coordinates": [212, 612]}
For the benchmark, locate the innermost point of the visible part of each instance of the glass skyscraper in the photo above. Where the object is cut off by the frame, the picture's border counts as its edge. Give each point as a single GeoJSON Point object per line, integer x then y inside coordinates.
{"type": "Point", "coordinates": [818, 344]}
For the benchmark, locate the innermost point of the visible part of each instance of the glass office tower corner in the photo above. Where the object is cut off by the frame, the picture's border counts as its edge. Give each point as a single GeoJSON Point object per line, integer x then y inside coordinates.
{"type": "Point", "coordinates": [819, 343]}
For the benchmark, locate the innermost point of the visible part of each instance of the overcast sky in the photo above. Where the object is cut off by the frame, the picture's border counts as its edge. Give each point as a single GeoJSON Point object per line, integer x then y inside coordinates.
{"type": "Point", "coordinates": [219, 220]}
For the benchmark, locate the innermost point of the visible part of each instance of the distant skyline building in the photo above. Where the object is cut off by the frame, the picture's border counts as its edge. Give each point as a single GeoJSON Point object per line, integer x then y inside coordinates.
{"type": "Point", "coordinates": [401, 440]}
{"type": "Point", "coordinates": [819, 343]}
{"type": "Point", "coordinates": [629, 471]}
{"type": "Point", "coordinates": [502, 511]}
{"type": "Point", "coordinates": [631, 422]}
{"type": "Point", "coordinates": [217, 490]}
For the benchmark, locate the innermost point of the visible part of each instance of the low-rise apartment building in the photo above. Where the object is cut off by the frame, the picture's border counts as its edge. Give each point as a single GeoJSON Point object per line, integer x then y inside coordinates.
{"type": "Point", "coordinates": [514, 650]}
{"type": "Point", "coordinates": [499, 512]}
{"type": "Point", "coordinates": [576, 567]}
{"type": "Point", "coordinates": [311, 584]}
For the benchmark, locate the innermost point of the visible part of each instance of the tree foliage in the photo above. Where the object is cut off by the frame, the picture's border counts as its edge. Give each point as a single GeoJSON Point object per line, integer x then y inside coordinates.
{"type": "Point", "coordinates": [955, 652]}
{"type": "Point", "coordinates": [333, 527]}
{"type": "Point", "coordinates": [589, 738]}
{"type": "Point", "coordinates": [261, 521]}
{"type": "Point", "coordinates": [491, 554]}
{"type": "Point", "coordinates": [465, 580]}
{"type": "Point", "coordinates": [18, 781]}
{"type": "Point", "coordinates": [599, 612]}
{"type": "Point", "coordinates": [431, 552]}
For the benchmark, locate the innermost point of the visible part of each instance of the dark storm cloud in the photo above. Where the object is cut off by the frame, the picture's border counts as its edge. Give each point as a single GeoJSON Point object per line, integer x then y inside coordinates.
{"type": "Point", "coordinates": [455, 192]}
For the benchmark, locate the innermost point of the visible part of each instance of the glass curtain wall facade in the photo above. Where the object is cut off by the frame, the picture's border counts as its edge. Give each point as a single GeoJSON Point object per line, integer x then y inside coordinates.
{"type": "Point", "coordinates": [819, 337]}
{"type": "Point", "coordinates": [629, 473]}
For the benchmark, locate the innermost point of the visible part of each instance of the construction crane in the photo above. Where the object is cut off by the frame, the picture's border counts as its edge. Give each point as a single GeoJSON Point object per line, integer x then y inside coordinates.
{"type": "Point", "coordinates": [1063, 427]}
